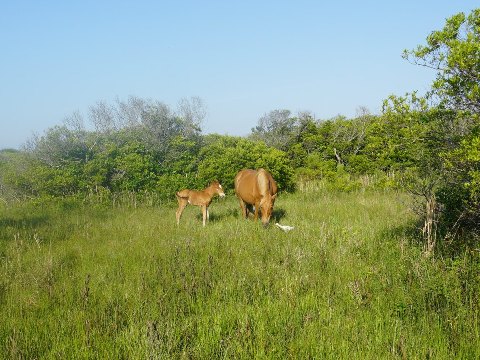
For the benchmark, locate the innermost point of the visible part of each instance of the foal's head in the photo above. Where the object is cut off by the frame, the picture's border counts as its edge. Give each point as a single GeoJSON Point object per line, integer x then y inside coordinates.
{"type": "Point", "coordinates": [217, 188]}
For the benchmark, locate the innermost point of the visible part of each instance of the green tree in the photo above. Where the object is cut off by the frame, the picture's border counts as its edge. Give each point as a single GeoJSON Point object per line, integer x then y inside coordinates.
{"type": "Point", "coordinates": [134, 168]}
{"type": "Point", "coordinates": [460, 192]}
{"type": "Point", "coordinates": [275, 128]}
{"type": "Point", "coordinates": [305, 142]}
{"type": "Point", "coordinates": [454, 53]}
{"type": "Point", "coordinates": [15, 175]}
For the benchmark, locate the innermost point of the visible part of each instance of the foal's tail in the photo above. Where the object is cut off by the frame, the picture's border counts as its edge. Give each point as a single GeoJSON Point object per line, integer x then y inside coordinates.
{"type": "Point", "coordinates": [182, 194]}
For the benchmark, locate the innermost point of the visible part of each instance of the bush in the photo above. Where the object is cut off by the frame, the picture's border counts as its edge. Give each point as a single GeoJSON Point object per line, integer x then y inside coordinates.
{"type": "Point", "coordinates": [460, 194]}
{"type": "Point", "coordinates": [223, 157]}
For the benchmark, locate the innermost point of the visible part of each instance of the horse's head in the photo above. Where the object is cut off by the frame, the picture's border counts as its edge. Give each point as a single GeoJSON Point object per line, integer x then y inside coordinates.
{"type": "Point", "coordinates": [266, 206]}
{"type": "Point", "coordinates": [217, 188]}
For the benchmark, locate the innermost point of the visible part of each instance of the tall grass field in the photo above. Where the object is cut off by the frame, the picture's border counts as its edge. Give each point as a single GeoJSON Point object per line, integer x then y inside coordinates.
{"type": "Point", "coordinates": [86, 281]}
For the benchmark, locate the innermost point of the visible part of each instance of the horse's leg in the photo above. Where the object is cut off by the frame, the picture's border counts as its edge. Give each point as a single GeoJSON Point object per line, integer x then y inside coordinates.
{"type": "Point", "coordinates": [204, 212]}
{"type": "Point", "coordinates": [257, 206]}
{"type": "Point", "coordinates": [208, 214]}
{"type": "Point", "coordinates": [182, 203]}
{"type": "Point", "coordinates": [244, 209]}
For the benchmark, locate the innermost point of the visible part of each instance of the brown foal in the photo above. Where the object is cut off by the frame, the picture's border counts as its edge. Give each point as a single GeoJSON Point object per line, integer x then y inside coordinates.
{"type": "Point", "coordinates": [201, 198]}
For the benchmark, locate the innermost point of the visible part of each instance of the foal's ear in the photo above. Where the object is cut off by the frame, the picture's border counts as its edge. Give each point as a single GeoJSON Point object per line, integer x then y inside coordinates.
{"type": "Point", "coordinates": [274, 196]}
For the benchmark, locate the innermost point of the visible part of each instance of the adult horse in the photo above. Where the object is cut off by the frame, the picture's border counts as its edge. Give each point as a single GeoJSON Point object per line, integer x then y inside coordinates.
{"type": "Point", "coordinates": [257, 188]}
{"type": "Point", "coordinates": [199, 198]}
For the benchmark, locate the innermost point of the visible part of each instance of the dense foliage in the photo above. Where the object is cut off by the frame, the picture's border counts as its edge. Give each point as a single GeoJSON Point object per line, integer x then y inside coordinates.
{"type": "Point", "coordinates": [160, 153]}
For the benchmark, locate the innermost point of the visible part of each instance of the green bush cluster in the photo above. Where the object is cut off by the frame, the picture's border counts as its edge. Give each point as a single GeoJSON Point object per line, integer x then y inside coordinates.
{"type": "Point", "coordinates": [132, 166]}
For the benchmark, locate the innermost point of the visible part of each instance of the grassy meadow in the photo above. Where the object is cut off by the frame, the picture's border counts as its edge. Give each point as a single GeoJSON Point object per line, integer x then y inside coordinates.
{"type": "Point", "coordinates": [86, 281]}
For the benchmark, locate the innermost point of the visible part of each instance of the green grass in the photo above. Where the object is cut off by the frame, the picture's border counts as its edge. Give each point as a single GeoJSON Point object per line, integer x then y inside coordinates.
{"type": "Point", "coordinates": [89, 282]}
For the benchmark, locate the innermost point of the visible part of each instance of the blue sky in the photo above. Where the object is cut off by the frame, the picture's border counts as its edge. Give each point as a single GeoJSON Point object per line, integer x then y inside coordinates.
{"type": "Point", "coordinates": [243, 58]}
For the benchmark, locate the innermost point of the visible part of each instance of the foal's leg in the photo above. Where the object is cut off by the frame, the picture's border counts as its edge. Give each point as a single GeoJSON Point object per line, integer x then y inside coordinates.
{"type": "Point", "coordinates": [182, 203]}
{"type": "Point", "coordinates": [204, 212]}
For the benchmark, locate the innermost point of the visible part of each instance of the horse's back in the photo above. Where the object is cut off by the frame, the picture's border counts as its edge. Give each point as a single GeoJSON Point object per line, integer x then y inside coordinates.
{"type": "Point", "coordinates": [252, 185]}
{"type": "Point", "coordinates": [245, 185]}
{"type": "Point", "coordinates": [245, 178]}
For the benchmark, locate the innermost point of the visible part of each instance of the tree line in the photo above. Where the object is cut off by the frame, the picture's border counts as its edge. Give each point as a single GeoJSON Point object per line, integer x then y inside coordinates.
{"type": "Point", "coordinates": [426, 144]}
